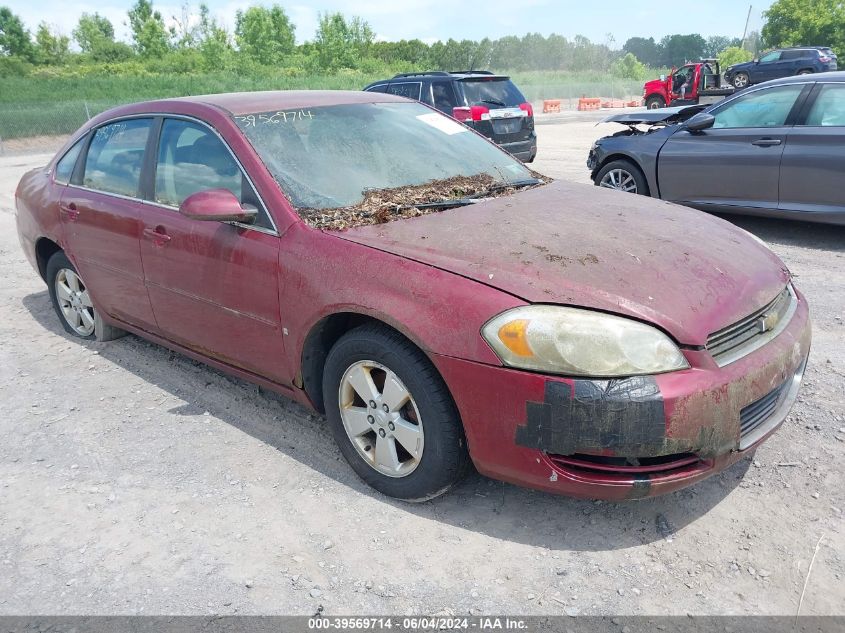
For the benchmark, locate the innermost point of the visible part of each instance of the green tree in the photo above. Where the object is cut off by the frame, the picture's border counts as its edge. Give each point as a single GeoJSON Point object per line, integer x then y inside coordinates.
{"type": "Point", "coordinates": [149, 34]}
{"type": "Point", "coordinates": [341, 43]}
{"type": "Point", "coordinates": [645, 50]}
{"type": "Point", "coordinates": [629, 67]}
{"type": "Point", "coordinates": [677, 50]}
{"type": "Point", "coordinates": [215, 46]}
{"type": "Point", "coordinates": [265, 35]}
{"type": "Point", "coordinates": [50, 48]}
{"type": "Point", "coordinates": [717, 43]}
{"type": "Point", "coordinates": [806, 23]}
{"type": "Point", "coordinates": [14, 37]}
{"type": "Point", "coordinates": [93, 31]}
{"type": "Point", "coordinates": [734, 55]}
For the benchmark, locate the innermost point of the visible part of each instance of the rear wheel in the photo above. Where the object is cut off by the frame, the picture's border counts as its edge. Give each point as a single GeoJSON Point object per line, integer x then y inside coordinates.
{"type": "Point", "coordinates": [392, 415]}
{"type": "Point", "coordinates": [72, 302]}
{"type": "Point", "coordinates": [655, 102]}
{"type": "Point", "coordinates": [622, 175]}
{"type": "Point", "coordinates": [806, 71]}
{"type": "Point", "coordinates": [741, 80]}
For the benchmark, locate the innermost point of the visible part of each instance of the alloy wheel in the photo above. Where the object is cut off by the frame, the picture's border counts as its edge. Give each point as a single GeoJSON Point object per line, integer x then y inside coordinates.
{"type": "Point", "coordinates": [620, 180]}
{"type": "Point", "coordinates": [741, 81]}
{"type": "Point", "coordinates": [381, 418]}
{"type": "Point", "coordinates": [75, 302]}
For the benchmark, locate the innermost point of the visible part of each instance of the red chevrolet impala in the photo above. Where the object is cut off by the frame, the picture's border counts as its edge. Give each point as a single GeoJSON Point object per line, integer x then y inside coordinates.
{"type": "Point", "coordinates": [442, 304]}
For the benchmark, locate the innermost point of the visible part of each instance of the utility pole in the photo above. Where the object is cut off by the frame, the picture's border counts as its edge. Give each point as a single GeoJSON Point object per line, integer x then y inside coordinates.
{"type": "Point", "coordinates": [747, 20]}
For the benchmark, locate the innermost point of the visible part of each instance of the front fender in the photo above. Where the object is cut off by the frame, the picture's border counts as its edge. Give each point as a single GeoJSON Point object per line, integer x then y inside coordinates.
{"type": "Point", "coordinates": [441, 312]}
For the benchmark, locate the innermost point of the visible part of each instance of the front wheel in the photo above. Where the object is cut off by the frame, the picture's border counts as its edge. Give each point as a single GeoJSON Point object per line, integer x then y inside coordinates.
{"type": "Point", "coordinates": [622, 175]}
{"type": "Point", "coordinates": [72, 302]}
{"type": "Point", "coordinates": [655, 102]}
{"type": "Point", "coordinates": [392, 415]}
{"type": "Point", "coordinates": [741, 80]}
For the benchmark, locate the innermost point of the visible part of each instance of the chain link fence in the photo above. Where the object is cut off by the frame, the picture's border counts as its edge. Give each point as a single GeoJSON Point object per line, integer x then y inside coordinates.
{"type": "Point", "coordinates": [42, 126]}
{"type": "Point", "coordinates": [44, 123]}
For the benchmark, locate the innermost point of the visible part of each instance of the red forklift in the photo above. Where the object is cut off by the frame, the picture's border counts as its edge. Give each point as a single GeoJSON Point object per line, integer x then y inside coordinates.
{"type": "Point", "coordinates": [692, 84]}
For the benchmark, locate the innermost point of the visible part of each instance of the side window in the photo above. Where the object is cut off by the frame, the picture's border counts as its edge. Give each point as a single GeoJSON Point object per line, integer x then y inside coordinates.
{"type": "Point", "coordinates": [770, 57]}
{"type": "Point", "coordinates": [192, 158]}
{"type": "Point", "coordinates": [829, 108]}
{"type": "Point", "coordinates": [64, 168]}
{"type": "Point", "coordinates": [115, 157]}
{"type": "Point", "coordinates": [764, 108]}
{"type": "Point", "coordinates": [411, 90]}
{"type": "Point", "coordinates": [788, 55]}
{"type": "Point", "coordinates": [444, 96]}
{"type": "Point", "coordinates": [377, 88]}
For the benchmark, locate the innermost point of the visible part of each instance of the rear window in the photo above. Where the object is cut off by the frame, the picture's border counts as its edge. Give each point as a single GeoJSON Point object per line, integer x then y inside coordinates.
{"type": "Point", "coordinates": [496, 92]}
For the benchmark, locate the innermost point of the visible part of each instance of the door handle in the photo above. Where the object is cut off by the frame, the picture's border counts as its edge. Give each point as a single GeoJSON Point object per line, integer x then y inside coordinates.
{"type": "Point", "coordinates": [767, 142]}
{"type": "Point", "coordinates": [157, 235]}
{"type": "Point", "coordinates": [69, 211]}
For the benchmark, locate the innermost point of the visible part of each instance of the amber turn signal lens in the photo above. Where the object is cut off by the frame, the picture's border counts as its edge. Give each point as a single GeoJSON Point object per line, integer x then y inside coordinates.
{"type": "Point", "coordinates": [514, 335]}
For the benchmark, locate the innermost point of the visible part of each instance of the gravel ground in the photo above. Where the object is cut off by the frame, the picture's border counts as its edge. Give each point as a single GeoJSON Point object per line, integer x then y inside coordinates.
{"type": "Point", "coordinates": [136, 481]}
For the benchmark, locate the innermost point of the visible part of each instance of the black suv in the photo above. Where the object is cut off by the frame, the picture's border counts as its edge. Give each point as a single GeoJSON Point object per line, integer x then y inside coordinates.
{"type": "Point", "coordinates": [782, 62]}
{"type": "Point", "coordinates": [488, 103]}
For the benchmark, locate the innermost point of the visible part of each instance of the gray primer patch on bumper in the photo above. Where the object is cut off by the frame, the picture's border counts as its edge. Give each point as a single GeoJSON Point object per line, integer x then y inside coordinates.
{"type": "Point", "coordinates": [625, 416]}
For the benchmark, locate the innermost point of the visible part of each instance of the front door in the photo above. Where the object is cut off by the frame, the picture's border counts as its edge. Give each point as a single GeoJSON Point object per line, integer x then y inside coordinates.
{"type": "Point", "coordinates": [214, 286]}
{"type": "Point", "coordinates": [100, 211]}
{"type": "Point", "coordinates": [736, 163]}
{"type": "Point", "coordinates": [813, 165]}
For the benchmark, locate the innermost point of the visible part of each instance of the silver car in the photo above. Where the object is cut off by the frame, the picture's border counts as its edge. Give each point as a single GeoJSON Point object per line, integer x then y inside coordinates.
{"type": "Point", "coordinates": [777, 149]}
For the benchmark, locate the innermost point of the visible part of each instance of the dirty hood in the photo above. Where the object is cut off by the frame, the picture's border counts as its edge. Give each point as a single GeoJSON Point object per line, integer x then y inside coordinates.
{"type": "Point", "coordinates": [687, 272]}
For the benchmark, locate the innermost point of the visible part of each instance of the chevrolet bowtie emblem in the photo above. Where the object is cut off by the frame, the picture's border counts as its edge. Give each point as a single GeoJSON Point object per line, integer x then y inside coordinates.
{"type": "Point", "coordinates": [767, 322]}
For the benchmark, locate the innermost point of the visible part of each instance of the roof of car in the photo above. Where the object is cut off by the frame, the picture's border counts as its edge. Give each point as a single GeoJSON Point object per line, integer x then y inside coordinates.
{"type": "Point", "coordinates": [833, 77]}
{"type": "Point", "coordinates": [239, 103]}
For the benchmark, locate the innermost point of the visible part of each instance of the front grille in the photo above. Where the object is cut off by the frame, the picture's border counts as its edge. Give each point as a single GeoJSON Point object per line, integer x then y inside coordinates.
{"type": "Point", "coordinates": [735, 341]}
{"type": "Point", "coordinates": [756, 413]}
{"type": "Point", "coordinates": [662, 465]}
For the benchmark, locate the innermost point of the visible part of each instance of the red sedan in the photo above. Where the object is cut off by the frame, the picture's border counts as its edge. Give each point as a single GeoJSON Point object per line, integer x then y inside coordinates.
{"type": "Point", "coordinates": [439, 302]}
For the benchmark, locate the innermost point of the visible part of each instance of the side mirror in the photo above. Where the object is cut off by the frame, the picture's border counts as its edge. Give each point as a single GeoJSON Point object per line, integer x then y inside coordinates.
{"type": "Point", "coordinates": [756, 60]}
{"type": "Point", "coordinates": [216, 205]}
{"type": "Point", "coordinates": [700, 122]}
{"type": "Point", "coordinates": [662, 77]}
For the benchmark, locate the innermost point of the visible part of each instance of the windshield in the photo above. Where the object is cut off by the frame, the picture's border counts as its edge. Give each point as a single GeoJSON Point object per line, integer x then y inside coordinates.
{"type": "Point", "coordinates": [498, 91]}
{"type": "Point", "coordinates": [329, 157]}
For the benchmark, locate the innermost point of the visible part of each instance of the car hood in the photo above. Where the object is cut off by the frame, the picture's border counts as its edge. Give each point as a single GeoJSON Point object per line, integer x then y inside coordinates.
{"type": "Point", "coordinates": [685, 271]}
{"type": "Point", "coordinates": [740, 66]}
{"type": "Point", "coordinates": [653, 117]}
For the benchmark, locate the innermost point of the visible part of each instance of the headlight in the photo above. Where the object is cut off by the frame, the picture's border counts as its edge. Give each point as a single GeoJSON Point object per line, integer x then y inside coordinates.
{"type": "Point", "coordinates": [576, 342]}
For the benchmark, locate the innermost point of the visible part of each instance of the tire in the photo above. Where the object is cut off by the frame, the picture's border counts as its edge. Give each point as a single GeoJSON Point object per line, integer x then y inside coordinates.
{"type": "Point", "coordinates": [629, 177]}
{"type": "Point", "coordinates": [741, 80]}
{"type": "Point", "coordinates": [655, 102]}
{"type": "Point", "coordinates": [805, 71]}
{"type": "Point", "coordinates": [383, 354]}
{"type": "Point", "coordinates": [89, 325]}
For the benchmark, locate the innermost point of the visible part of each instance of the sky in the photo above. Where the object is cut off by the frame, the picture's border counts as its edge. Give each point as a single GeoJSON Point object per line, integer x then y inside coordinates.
{"type": "Point", "coordinates": [431, 20]}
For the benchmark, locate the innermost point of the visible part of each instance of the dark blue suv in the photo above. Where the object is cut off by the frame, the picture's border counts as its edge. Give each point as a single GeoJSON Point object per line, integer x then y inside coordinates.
{"type": "Point", "coordinates": [490, 104]}
{"type": "Point", "coordinates": [782, 62]}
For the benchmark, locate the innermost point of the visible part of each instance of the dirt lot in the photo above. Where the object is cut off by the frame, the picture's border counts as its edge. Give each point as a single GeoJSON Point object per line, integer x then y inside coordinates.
{"type": "Point", "coordinates": [133, 480]}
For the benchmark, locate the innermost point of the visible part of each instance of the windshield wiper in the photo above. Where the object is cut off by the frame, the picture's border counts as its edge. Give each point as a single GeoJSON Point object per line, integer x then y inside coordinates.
{"type": "Point", "coordinates": [494, 102]}
{"type": "Point", "coordinates": [442, 204]}
{"type": "Point", "coordinates": [517, 184]}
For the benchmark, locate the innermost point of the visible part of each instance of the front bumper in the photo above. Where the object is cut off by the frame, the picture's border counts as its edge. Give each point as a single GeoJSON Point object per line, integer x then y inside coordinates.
{"type": "Point", "coordinates": [568, 436]}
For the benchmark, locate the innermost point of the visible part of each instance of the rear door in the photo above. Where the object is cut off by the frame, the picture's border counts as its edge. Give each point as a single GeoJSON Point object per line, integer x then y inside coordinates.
{"type": "Point", "coordinates": [214, 286]}
{"type": "Point", "coordinates": [736, 163]}
{"type": "Point", "coordinates": [813, 165]}
{"type": "Point", "coordinates": [100, 211]}
{"type": "Point", "coordinates": [509, 118]}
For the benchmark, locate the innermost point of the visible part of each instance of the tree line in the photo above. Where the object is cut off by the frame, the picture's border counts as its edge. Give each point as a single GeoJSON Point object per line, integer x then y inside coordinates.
{"type": "Point", "coordinates": [265, 37]}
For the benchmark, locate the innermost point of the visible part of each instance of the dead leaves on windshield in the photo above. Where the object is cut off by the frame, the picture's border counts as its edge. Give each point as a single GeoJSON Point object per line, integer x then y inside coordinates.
{"type": "Point", "coordinates": [384, 205]}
